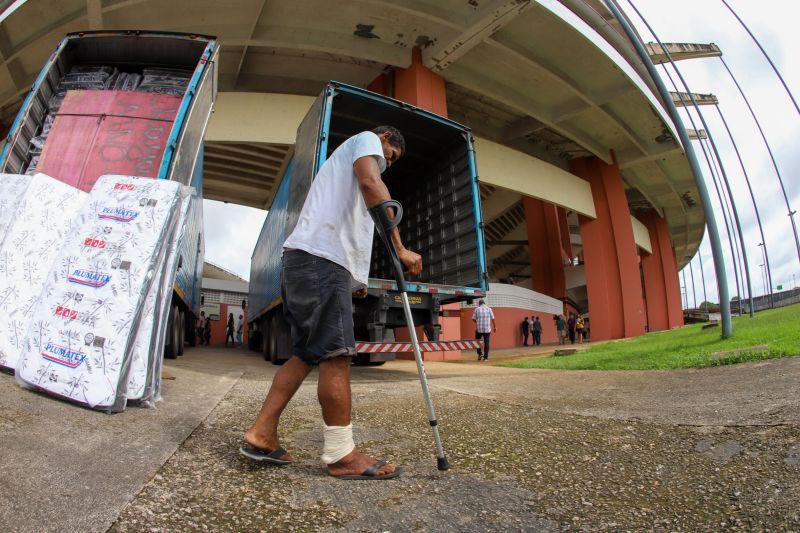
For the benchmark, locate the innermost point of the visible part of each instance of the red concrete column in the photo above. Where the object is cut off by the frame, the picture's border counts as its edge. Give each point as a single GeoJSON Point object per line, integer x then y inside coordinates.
{"type": "Point", "coordinates": [381, 85]}
{"type": "Point", "coordinates": [613, 280]}
{"type": "Point", "coordinates": [546, 225]}
{"type": "Point", "coordinates": [660, 272]}
{"type": "Point", "coordinates": [419, 86]}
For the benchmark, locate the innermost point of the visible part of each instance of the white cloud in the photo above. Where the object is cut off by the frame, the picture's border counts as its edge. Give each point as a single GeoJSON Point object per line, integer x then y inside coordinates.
{"type": "Point", "coordinates": [230, 234]}
{"type": "Point", "coordinates": [774, 26]}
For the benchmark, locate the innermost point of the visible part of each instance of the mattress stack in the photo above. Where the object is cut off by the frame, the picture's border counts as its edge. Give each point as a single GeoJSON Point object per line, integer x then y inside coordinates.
{"type": "Point", "coordinates": [144, 380]}
{"type": "Point", "coordinates": [39, 214]}
{"type": "Point", "coordinates": [96, 333]}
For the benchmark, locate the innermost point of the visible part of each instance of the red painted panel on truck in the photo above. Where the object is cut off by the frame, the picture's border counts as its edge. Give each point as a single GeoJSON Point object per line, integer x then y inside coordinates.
{"type": "Point", "coordinates": [108, 132]}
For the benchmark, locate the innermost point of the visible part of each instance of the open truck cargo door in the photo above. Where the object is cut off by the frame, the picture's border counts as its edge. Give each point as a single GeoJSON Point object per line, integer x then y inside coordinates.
{"type": "Point", "coordinates": [437, 183]}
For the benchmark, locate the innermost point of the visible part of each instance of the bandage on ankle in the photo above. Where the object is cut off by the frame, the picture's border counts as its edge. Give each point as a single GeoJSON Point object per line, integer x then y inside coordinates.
{"type": "Point", "coordinates": [338, 442]}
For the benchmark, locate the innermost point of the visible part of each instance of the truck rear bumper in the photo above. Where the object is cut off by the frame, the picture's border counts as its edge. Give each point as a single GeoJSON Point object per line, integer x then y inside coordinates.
{"type": "Point", "coordinates": [375, 348]}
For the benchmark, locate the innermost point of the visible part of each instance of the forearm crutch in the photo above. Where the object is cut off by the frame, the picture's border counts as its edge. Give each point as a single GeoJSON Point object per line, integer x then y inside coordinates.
{"type": "Point", "coordinates": [384, 224]}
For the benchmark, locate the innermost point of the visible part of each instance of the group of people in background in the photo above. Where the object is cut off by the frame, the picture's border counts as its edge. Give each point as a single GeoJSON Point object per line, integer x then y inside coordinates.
{"type": "Point", "coordinates": [204, 329]}
{"type": "Point", "coordinates": [573, 328]}
{"type": "Point", "coordinates": [531, 328]}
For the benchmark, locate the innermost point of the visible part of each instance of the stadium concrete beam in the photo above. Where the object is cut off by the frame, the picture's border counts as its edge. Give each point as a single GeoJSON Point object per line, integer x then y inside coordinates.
{"type": "Point", "coordinates": [253, 27]}
{"type": "Point", "coordinates": [328, 42]}
{"type": "Point", "coordinates": [522, 103]}
{"type": "Point", "coordinates": [94, 14]}
{"type": "Point", "coordinates": [641, 235]}
{"type": "Point", "coordinates": [509, 169]}
{"type": "Point", "coordinates": [490, 19]}
{"type": "Point", "coordinates": [682, 99]}
{"type": "Point", "coordinates": [257, 117]}
{"type": "Point", "coordinates": [680, 51]}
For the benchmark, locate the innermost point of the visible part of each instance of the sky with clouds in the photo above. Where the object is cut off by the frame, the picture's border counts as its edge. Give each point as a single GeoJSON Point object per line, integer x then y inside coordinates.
{"type": "Point", "coordinates": [773, 22]}
{"type": "Point", "coordinates": [231, 231]}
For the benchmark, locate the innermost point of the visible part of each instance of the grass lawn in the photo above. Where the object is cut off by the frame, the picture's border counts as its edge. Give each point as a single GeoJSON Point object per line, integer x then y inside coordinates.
{"type": "Point", "coordinates": [688, 347]}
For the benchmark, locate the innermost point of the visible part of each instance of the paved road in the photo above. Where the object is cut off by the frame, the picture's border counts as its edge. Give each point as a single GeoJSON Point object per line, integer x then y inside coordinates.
{"type": "Point", "coordinates": [530, 450]}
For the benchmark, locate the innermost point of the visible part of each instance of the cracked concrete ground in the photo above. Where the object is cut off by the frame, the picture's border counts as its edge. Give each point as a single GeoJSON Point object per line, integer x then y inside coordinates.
{"type": "Point", "coordinates": [530, 450]}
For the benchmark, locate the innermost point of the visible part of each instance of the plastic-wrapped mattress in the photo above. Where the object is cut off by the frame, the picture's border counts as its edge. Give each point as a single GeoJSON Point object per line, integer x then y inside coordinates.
{"type": "Point", "coordinates": [82, 336]}
{"type": "Point", "coordinates": [144, 381]}
{"type": "Point", "coordinates": [12, 189]}
{"type": "Point", "coordinates": [30, 247]}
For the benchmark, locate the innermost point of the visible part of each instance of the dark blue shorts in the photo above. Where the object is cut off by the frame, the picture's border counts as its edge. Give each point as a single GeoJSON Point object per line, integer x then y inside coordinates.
{"type": "Point", "coordinates": [318, 306]}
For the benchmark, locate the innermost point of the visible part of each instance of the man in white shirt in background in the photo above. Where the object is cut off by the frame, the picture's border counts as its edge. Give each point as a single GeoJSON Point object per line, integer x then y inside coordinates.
{"type": "Point", "coordinates": [326, 262]}
{"type": "Point", "coordinates": [484, 325]}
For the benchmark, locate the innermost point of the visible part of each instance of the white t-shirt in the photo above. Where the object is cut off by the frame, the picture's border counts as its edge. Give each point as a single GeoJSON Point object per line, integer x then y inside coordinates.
{"type": "Point", "coordinates": [334, 223]}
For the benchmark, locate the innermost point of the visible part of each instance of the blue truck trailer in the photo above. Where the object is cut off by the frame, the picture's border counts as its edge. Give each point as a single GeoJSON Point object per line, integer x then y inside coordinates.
{"type": "Point", "coordinates": [132, 103]}
{"type": "Point", "coordinates": [437, 183]}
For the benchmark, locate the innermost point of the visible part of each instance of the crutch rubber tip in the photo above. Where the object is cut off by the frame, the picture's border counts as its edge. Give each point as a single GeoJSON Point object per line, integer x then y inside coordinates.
{"type": "Point", "coordinates": [442, 464]}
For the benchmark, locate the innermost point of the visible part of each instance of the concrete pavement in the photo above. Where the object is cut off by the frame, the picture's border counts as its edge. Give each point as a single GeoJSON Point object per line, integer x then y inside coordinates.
{"type": "Point", "coordinates": [529, 449]}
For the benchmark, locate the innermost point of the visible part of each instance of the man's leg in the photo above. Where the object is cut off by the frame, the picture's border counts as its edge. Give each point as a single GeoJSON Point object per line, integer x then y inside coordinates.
{"type": "Point", "coordinates": [334, 396]}
{"type": "Point", "coordinates": [486, 338]}
{"type": "Point", "coordinates": [263, 434]}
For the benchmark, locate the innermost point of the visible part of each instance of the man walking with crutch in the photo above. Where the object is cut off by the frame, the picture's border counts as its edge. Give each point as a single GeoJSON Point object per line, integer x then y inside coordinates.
{"type": "Point", "coordinates": [326, 260]}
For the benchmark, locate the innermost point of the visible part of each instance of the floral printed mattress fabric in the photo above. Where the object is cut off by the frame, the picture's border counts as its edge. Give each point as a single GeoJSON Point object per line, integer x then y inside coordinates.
{"type": "Point", "coordinates": [91, 333]}
{"type": "Point", "coordinates": [34, 232]}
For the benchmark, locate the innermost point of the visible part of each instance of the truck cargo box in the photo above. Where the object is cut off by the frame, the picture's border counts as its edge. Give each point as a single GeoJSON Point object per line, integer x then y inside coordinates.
{"type": "Point", "coordinates": [437, 183]}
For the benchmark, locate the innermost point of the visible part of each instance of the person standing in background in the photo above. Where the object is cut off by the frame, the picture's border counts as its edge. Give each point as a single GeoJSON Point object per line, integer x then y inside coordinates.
{"type": "Point", "coordinates": [571, 323]}
{"type": "Point", "coordinates": [240, 330]}
{"type": "Point", "coordinates": [201, 326]}
{"type": "Point", "coordinates": [579, 325]}
{"type": "Point", "coordinates": [561, 328]}
{"type": "Point", "coordinates": [525, 329]}
{"type": "Point", "coordinates": [484, 325]}
{"type": "Point", "coordinates": [536, 327]}
{"type": "Point", "coordinates": [229, 331]}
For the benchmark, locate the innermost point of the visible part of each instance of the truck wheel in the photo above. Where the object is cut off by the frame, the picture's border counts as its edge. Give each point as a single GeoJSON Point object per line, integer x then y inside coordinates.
{"type": "Point", "coordinates": [171, 347]}
{"type": "Point", "coordinates": [181, 331]}
{"type": "Point", "coordinates": [274, 336]}
{"type": "Point", "coordinates": [263, 327]}
{"type": "Point", "coordinates": [363, 360]}
{"type": "Point", "coordinates": [284, 344]}
{"type": "Point", "coordinates": [190, 331]}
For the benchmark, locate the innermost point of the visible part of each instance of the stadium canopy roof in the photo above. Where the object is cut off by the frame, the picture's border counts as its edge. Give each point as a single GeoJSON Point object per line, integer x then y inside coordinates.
{"type": "Point", "coordinates": [554, 79]}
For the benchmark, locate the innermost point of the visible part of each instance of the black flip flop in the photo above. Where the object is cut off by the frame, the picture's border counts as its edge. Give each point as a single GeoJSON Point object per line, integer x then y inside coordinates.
{"type": "Point", "coordinates": [371, 473]}
{"type": "Point", "coordinates": [263, 456]}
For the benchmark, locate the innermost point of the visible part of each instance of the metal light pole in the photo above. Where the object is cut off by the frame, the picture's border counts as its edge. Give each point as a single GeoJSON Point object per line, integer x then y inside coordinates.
{"type": "Point", "coordinates": [721, 177]}
{"type": "Point", "coordinates": [727, 204]}
{"type": "Point", "coordinates": [725, 220]}
{"type": "Point", "coordinates": [752, 196]}
{"type": "Point", "coordinates": [703, 276]}
{"type": "Point", "coordinates": [768, 283]}
{"type": "Point", "coordinates": [713, 234]}
{"type": "Point", "coordinates": [685, 288]}
{"type": "Point", "coordinates": [694, 289]}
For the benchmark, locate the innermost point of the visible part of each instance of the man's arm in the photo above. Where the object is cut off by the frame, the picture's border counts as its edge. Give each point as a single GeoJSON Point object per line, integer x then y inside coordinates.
{"type": "Point", "coordinates": [374, 191]}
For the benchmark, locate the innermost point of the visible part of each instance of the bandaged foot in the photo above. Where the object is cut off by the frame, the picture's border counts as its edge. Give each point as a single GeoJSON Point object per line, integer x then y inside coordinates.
{"type": "Point", "coordinates": [338, 442]}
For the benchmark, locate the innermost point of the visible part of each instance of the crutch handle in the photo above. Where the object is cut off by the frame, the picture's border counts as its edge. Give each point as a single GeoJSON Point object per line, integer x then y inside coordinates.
{"type": "Point", "coordinates": [384, 224]}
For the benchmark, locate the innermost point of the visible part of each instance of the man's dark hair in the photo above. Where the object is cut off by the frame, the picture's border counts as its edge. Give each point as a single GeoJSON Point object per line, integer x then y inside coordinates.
{"type": "Point", "coordinates": [395, 140]}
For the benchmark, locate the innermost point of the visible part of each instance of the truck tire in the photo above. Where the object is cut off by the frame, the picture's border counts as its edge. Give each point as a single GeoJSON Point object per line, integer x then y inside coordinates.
{"type": "Point", "coordinates": [266, 348]}
{"type": "Point", "coordinates": [171, 346]}
{"type": "Point", "coordinates": [274, 336]}
{"type": "Point", "coordinates": [363, 360]}
{"type": "Point", "coordinates": [190, 333]}
{"type": "Point", "coordinates": [181, 331]}
{"type": "Point", "coordinates": [284, 344]}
